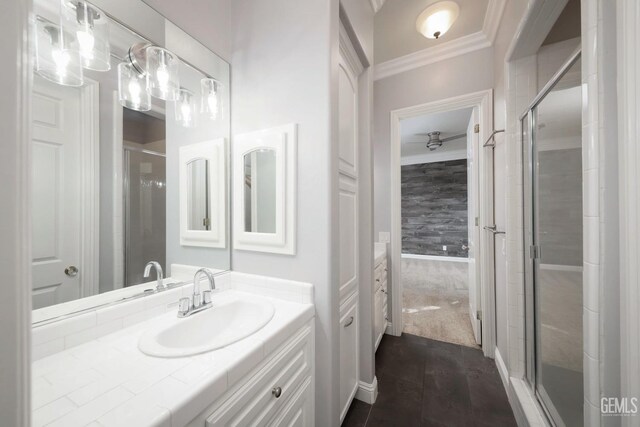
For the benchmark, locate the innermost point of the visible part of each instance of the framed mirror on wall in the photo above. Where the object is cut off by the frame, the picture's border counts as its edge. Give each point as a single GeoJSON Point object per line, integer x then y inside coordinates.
{"type": "Point", "coordinates": [264, 182]}
{"type": "Point", "coordinates": [202, 194]}
{"type": "Point", "coordinates": [119, 95]}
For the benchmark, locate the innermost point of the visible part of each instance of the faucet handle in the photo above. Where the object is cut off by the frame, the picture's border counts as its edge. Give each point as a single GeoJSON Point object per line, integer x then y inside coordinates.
{"type": "Point", "coordinates": [197, 300]}
{"type": "Point", "coordinates": [184, 304]}
{"type": "Point", "coordinates": [206, 297]}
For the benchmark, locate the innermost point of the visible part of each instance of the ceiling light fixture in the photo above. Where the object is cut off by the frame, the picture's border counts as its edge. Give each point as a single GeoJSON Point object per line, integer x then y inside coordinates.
{"type": "Point", "coordinates": [56, 60]}
{"type": "Point", "coordinates": [436, 20]}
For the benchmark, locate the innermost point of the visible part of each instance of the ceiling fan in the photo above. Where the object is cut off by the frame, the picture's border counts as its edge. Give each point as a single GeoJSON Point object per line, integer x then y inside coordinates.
{"type": "Point", "coordinates": [435, 141]}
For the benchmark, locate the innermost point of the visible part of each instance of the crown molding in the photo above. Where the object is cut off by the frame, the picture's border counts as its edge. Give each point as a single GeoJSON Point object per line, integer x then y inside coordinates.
{"type": "Point", "coordinates": [376, 5]}
{"type": "Point", "coordinates": [465, 44]}
{"type": "Point", "coordinates": [450, 49]}
{"type": "Point", "coordinates": [492, 18]}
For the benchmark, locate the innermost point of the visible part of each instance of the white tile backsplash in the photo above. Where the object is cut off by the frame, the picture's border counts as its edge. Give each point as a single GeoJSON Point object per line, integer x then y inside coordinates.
{"type": "Point", "coordinates": [73, 331]}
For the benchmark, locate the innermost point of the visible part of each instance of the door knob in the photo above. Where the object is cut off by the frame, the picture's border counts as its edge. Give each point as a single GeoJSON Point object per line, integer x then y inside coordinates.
{"type": "Point", "coordinates": [277, 392]}
{"type": "Point", "coordinates": [71, 271]}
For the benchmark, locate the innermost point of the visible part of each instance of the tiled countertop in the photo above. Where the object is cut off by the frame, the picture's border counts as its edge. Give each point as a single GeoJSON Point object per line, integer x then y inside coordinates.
{"type": "Point", "coordinates": [109, 382]}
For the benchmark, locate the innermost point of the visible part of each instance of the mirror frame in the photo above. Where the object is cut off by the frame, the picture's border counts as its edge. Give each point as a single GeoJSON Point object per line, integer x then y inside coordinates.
{"type": "Point", "coordinates": [214, 152]}
{"type": "Point", "coordinates": [283, 140]}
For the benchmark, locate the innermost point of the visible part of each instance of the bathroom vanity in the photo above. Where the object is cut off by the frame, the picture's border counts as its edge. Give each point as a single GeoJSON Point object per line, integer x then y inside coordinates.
{"type": "Point", "coordinates": [104, 375]}
{"type": "Point", "coordinates": [380, 319]}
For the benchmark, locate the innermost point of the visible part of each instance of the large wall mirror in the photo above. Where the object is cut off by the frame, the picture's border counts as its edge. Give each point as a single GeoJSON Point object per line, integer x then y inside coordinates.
{"type": "Point", "coordinates": [120, 94]}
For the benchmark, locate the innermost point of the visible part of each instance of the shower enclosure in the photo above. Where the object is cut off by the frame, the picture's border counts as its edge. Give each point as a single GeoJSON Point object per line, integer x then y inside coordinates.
{"type": "Point", "coordinates": [552, 159]}
{"type": "Point", "coordinates": [144, 210]}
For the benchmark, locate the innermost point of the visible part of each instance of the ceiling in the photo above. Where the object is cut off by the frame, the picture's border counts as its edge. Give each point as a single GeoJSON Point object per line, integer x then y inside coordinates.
{"type": "Point", "coordinates": [395, 31]}
{"type": "Point", "coordinates": [449, 123]}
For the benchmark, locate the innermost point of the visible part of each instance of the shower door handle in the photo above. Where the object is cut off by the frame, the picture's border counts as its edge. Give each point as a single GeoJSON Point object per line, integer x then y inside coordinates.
{"type": "Point", "coordinates": [493, 229]}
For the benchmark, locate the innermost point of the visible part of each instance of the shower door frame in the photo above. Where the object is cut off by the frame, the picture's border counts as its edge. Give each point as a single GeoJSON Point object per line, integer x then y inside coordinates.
{"type": "Point", "coordinates": [530, 249]}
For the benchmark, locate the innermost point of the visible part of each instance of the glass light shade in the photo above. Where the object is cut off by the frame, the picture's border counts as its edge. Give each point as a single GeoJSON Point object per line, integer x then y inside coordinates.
{"type": "Point", "coordinates": [56, 60]}
{"type": "Point", "coordinates": [132, 88]}
{"type": "Point", "coordinates": [436, 20]}
{"type": "Point", "coordinates": [91, 28]}
{"type": "Point", "coordinates": [185, 108]}
{"type": "Point", "coordinates": [211, 99]}
{"type": "Point", "coordinates": [162, 69]}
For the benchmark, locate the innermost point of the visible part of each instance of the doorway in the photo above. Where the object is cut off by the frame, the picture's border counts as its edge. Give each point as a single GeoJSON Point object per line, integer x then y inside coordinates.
{"type": "Point", "coordinates": [439, 185]}
{"type": "Point", "coordinates": [478, 125]}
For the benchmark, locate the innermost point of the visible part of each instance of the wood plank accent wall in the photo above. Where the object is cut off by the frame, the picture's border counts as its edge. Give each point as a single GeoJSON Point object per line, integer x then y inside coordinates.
{"type": "Point", "coordinates": [434, 208]}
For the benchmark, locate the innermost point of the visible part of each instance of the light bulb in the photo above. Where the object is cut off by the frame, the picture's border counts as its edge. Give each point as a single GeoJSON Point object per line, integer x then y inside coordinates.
{"type": "Point", "coordinates": [61, 59]}
{"type": "Point", "coordinates": [87, 42]}
{"type": "Point", "coordinates": [212, 101]}
{"type": "Point", "coordinates": [162, 75]}
{"type": "Point", "coordinates": [134, 91]}
{"type": "Point", "coordinates": [185, 108]}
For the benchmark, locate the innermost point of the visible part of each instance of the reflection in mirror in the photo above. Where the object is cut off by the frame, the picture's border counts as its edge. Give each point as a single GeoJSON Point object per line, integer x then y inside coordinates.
{"type": "Point", "coordinates": [198, 195]}
{"type": "Point", "coordinates": [260, 191]}
{"type": "Point", "coordinates": [105, 182]}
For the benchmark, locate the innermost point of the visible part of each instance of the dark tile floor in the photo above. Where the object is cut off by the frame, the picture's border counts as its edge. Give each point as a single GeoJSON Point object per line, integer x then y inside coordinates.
{"type": "Point", "coordinates": [422, 382]}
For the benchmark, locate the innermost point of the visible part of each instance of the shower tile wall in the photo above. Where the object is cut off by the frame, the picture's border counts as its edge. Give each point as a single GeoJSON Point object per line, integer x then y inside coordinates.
{"type": "Point", "coordinates": [434, 208]}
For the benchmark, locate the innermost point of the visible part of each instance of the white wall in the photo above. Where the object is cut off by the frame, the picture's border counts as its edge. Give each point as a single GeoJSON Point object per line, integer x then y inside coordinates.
{"type": "Point", "coordinates": [15, 247]}
{"type": "Point", "coordinates": [513, 12]}
{"type": "Point", "coordinates": [459, 75]}
{"type": "Point", "coordinates": [283, 57]}
{"type": "Point", "coordinates": [208, 21]}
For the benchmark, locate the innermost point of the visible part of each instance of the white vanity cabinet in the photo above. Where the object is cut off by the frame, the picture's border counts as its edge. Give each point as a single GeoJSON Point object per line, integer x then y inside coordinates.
{"type": "Point", "coordinates": [279, 392]}
{"type": "Point", "coordinates": [348, 353]}
{"type": "Point", "coordinates": [380, 295]}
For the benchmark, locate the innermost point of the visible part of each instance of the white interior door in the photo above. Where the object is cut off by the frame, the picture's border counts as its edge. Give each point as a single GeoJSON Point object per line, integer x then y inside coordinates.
{"type": "Point", "coordinates": [473, 209]}
{"type": "Point", "coordinates": [55, 193]}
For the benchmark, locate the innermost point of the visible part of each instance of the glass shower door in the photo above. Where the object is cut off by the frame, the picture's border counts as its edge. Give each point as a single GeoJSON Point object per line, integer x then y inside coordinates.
{"type": "Point", "coordinates": [554, 215]}
{"type": "Point", "coordinates": [145, 212]}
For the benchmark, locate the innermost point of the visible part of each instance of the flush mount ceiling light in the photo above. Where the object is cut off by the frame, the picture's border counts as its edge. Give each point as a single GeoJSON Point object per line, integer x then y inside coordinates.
{"type": "Point", "coordinates": [91, 27]}
{"type": "Point", "coordinates": [436, 20]}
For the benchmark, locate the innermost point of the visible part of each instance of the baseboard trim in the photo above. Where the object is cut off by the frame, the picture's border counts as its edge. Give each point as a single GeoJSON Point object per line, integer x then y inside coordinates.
{"type": "Point", "coordinates": [502, 369]}
{"type": "Point", "coordinates": [368, 392]}
{"type": "Point", "coordinates": [389, 330]}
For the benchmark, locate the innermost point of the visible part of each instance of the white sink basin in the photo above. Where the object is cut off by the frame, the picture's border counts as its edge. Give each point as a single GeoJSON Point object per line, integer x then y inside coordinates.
{"type": "Point", "coordinates": [227, 321]}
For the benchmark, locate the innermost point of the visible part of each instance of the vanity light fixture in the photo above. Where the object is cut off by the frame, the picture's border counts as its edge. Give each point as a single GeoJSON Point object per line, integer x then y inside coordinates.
{"type": "Point", "coordinates": [56, 59]}
{"type": "Point", "coordinates": [210, 98]}
{"type": "Point", "coordinates": [436, 20]}
{"type": "Point", "coordinates": [161, 67]}
{"type": "Point", "coordinates": [185, 109]}
{"type": "Point", "coordinates": [132, 88]}
{"type": "Point", "coordinates": [91, 27]}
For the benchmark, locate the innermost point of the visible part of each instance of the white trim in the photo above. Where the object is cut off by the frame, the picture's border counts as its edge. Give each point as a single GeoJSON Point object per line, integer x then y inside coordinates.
{"type": "Point", "coordinates": [349, 53]}
{"type": "Point", "coordinates": [15, 215]}
{"type": "Point", "coordinates": [90, 187]}
{"type": "Point", "coordinates": [446, 50]}
{"type": "Point", "coordinates": [492, 18]}
{"type": "Point", "coordinates": [442, 156]}
{"type": "Point", "coordinates": [502, 369]}
{"type": "Point", "coordinates": [389, 328]}
{"type": "Point", "coordinates": [465, 44]}
{"type": "Point", "coordinates": [376, 5]}
{"type": "Point", "coordinates": [282, 139]}
{"type": "Point", "coordinates": [436, 258]}
{"type": "Point", "coordinates": [368, 392]}
{"type": "Point", "coordinates": [214, 151]}
{"type": "Point", "coordinates": [526, 408]}
{"type": "Point", "coordinates": [483, 101]}
{"type": "Point", "coordinates": [629, 177]}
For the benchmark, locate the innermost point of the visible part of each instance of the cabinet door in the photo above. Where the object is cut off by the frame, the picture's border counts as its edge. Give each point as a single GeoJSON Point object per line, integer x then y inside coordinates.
{"type": "Point", "coordinates": [348, 356]}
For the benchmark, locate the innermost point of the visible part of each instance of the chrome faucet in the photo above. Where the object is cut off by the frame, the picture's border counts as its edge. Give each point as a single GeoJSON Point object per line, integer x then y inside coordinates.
{"type": "Point", "coordinates": [197, 303]}
{"type": "Point", "coordinates": [159, 274]}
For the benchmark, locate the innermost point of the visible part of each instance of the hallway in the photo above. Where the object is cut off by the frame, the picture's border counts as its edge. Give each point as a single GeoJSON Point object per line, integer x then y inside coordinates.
{"type": "Point", "coordinates": [422, 382]}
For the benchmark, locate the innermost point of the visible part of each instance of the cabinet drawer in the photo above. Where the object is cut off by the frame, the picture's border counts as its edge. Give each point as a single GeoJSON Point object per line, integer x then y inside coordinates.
{"type": "Point", "coordinates": [255, 402]}
{"type": "Point", "coordinates": [299, 410]}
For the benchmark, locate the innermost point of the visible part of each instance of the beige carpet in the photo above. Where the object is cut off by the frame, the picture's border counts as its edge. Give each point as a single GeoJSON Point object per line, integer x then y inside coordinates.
{"type": "Point", "coordinates": [438, 315]}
